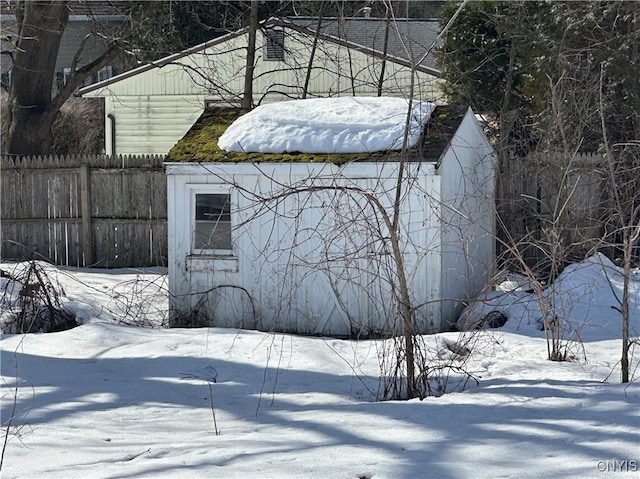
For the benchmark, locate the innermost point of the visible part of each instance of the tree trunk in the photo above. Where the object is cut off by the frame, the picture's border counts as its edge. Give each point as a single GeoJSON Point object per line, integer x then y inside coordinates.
{"type": "Point", "coordinates": [307, 77]}
{"type": "Point", "coordinates": [385, 50]}
{"type": "Point", "coordinates": [31, 114]}
{"type": "Point", "coordinates": [29, 130]}
{"type": "Point", "coordinates": [247, 97]}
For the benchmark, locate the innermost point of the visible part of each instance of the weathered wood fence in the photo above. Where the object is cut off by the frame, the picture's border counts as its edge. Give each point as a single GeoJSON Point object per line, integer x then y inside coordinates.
{"type": "Point", "coordinates": [112, 211]}
{"type": "Point", "coordinates": [84, 211]}
{"type": "Point", "coordinates": [551, 202]}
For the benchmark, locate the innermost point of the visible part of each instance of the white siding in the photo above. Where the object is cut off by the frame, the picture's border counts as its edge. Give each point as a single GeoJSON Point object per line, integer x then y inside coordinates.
{"type": "Point", "coordinates": [307, 262]}
{"type": "Point", "coordinates": [291, 257]}
{"type": "Point", "coordinates": [149, 124]}
{"type": "Point", "coordinates": [468, 217]}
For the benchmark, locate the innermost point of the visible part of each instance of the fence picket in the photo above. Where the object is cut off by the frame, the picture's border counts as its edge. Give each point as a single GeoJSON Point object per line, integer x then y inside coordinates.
{"type": "Point", "coordinates": [549, 194]}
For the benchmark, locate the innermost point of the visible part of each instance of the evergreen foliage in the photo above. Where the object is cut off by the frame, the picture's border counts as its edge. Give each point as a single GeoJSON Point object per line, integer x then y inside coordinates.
{"type": "Point", "coordinates": [566, 64]}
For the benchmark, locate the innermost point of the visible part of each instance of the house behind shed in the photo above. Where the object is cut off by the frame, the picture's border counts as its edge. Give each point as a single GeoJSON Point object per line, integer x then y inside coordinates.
{"type": "Point", "coordinates": [87, 34]}
{"type": "Point", "coordinates": [148, 109]}
{"type": "Point", "coordinates": [299, 243]}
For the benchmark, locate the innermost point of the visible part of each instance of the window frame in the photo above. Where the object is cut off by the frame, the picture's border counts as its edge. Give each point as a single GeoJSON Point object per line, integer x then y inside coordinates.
{"type": "Point", "coordinates": [103, 74]}
{"type": "Point", "coordinates": [194, 191]}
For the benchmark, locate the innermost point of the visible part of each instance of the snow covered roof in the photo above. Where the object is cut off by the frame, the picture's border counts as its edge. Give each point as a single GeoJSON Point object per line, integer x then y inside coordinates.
{"type": "Point", "coordinates": [337, 130]}
{"type": "Point", "coordinates": [328, 125]}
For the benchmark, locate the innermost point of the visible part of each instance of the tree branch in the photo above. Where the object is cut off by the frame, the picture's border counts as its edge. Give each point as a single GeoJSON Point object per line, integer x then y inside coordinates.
{"type": "Point", "coordinates": [78, 76]}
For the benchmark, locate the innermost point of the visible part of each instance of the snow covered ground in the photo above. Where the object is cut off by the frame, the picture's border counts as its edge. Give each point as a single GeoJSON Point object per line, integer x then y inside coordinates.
{"type": "Point", "coordinates": [115, 400]}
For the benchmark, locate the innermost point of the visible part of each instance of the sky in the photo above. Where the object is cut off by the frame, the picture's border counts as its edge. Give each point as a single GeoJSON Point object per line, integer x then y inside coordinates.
{"type": "Point", "coordinates": [327, 125]}
{"type": "Point", "coordinates": [121, 397]}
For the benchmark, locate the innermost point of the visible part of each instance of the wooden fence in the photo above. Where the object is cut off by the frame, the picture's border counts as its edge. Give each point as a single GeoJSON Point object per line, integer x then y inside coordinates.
{"type": "Point", "coordinates": [98, 211]}
{"type": "Point", "coordinates": [112, 211]}
{"type": "Point", "coordinates": [553, 201]}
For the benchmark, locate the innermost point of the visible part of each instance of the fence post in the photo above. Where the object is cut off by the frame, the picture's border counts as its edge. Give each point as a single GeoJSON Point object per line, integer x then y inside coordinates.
{"type": "Point", "coordinates": [85, 201]}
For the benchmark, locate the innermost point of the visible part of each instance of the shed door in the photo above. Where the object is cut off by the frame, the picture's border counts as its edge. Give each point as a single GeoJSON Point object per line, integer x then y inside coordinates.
{"type": "Point", "coordinates": [352, 276]}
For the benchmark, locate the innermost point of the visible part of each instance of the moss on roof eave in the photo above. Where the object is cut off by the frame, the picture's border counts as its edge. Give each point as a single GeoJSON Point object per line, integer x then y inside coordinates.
{"type": "Point", "coordinates": [200, 143]}
{"type": "Point", "coordinates": [232, 157]}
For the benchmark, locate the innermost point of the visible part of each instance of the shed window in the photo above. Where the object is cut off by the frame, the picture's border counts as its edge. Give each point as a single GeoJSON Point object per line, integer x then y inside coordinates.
{"type": "Point", "coordinates": [274, 49]}
{"type": "Point", "coordinates": [212, 232]}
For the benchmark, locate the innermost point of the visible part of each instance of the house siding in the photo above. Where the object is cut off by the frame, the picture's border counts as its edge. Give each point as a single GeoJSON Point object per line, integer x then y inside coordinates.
{"type": "Point", "coordinates": [149, 123]}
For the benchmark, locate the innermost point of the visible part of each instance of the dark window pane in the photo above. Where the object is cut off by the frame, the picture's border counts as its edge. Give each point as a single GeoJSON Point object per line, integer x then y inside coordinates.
{"type": "Point", "coordinates": [212, 222]}
{"type": "Point", "coordinates": [212, 207]}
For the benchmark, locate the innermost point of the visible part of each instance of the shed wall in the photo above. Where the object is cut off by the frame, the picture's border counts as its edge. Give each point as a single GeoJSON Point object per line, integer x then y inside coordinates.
{"type": "Point", "coordinates": [467, 216]}
{"type": "Point", "coordinates": [309, 262]}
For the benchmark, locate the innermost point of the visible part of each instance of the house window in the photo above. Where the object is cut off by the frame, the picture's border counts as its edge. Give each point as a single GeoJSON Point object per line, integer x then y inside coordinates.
{"type": "Point", "coordinates": [103, 74]}
{"type": "Point", "coordinates": [62, 77]}
{"type": "Point", "coordinates": [274, 49]}
{"type": "Point", "coordinates": [212, 223]}
{"type": "Point", "coordinates": [5, 79]}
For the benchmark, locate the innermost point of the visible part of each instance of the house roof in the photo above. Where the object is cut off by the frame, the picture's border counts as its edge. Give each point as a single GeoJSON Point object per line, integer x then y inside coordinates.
{"type": "Point", "coordinates": [200, 143]}
{"type": "Point", "coordinates": [271, 23]}
{"type": "Point", "coordinates": [408, 38]}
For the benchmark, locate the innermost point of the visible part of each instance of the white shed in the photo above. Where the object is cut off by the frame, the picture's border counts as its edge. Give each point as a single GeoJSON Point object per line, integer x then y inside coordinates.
{"type": "Point", "coordinates": [298, 243]}
{"type": "Point", "coordinates": [148, 109]}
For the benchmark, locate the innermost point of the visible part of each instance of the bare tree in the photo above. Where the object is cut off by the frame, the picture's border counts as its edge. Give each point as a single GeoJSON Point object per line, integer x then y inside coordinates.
{"type": "Point", "coordinates": [341, 232]}
{"type": "Point", "coordinates": [578, 60]}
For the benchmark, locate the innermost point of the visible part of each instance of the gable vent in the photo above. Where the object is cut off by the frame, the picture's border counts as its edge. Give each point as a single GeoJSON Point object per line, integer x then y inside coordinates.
{"type": "Point", "coordinates": [274, 49]}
